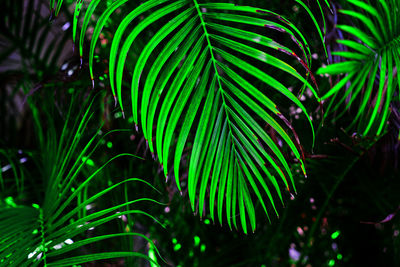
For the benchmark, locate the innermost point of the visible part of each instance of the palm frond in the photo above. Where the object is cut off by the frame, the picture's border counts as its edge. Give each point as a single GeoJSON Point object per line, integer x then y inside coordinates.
{"type": "Point", "coordinates": [53, 231]}
{"type": "Point", "coordinates": [369, 67]}
{"type": "Point", "coordinates": [198, 88]}
{"type": "Point", "coordinates": [193, 83]}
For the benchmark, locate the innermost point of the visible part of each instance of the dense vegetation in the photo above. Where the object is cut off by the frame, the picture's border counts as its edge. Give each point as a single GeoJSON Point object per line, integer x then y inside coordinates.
{"type": "Point", "coordinates": [199, 133]}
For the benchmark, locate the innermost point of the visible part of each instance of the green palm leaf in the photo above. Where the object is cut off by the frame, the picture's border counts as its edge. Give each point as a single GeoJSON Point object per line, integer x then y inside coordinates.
{"type": "Point", "coordinates": [370, 65]}
{"type": "Point", "coordinates": [43, 234]}
{"type": "Point", "coordinates": [194, 83]}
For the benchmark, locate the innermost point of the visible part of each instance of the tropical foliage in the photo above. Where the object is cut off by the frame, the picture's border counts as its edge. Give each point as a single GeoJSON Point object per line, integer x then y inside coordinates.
{"type": "Point", "coordinates": [237, 104]}
{"type": "Point", "coordinates": [370, 65]}
{"type": "Point", "coordinates": [36, 234]}
{"type": "Point", "coordinates": [198, 85]}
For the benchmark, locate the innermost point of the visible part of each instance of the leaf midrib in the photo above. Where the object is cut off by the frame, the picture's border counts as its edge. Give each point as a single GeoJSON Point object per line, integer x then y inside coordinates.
{"type": "Point", "coordinates": [389, 44]}
{"type": "Point", "coordinates": [378, 53]}
{"type": "Point", "coordinates": [221, 91]}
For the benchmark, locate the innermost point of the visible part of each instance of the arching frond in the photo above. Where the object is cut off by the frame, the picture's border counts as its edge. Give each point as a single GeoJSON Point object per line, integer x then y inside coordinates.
{"type": "Point", "coordinates": [193, 86]}
{"type": "Point", "coordinates": [52, 232]}
{"type": "Point", "coordinates": [370, 65]}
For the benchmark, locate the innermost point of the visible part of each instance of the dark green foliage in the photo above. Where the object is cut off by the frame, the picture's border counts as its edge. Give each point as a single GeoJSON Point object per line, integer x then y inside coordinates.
{"type": "Point", "coordinates": [371, 59]}
{"type": "Point", "coordinates": [232, 111]}
{"type": "Point", "coordinates": [66, 206]}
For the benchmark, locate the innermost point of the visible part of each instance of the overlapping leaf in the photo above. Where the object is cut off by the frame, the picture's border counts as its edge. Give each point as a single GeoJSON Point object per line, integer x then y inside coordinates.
{"type": "Point", "coordinates": [193, 87]}
{"type": "Point", "coordinates": [370, 66]}
{"type": "Point", "coordinates": [43, 234]}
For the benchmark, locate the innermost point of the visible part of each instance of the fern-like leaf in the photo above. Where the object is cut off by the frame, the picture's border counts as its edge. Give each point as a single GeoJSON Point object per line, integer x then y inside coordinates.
{"type": "Point", "coordinates": [42, 234]}
{"type": "Point", "coordinates": [370, 65]}
{"type": "Point", "coordinates": [194, 83]}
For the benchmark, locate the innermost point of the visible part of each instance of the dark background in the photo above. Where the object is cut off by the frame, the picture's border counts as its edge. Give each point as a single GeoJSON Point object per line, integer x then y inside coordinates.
{"type": "Point", "coordinates": [333, 220]}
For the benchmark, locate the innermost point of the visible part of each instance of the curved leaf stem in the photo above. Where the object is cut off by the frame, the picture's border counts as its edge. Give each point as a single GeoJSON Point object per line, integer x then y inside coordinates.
{"type": "Point", "coordinates": [43, 243]}
{"type": "Point", "coordinates": [212, 56]}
